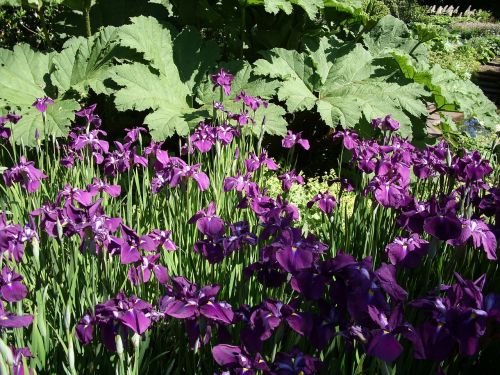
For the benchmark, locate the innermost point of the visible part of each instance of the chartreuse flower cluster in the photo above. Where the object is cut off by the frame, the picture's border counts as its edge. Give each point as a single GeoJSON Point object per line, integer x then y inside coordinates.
{"type": "Point", "coordinates": [203, 244]}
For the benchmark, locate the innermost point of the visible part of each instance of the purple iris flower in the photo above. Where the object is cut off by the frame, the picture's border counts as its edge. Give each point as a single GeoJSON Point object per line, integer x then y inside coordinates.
{"type": "Point", "coordinates": [11, 287]}
{"type": "Point", "coordinates": [85, 329]}
{"type": "Point", "coordinates": [289, 178]}
{"type": "Point", "coordinates": [382, 342]}
{"type": "Point", "coordinates": [268, 270]}
{"type": "Point", "coordinates": [133, 134]}
{"type": "Point", "coordinates": [122, 159]}
{"type": "Point", "coordinates": [480, 235]}
{"type": "Point", "coordinates": [412, 216]}
{"type": "Point", "coordinates": [11, 320]}
{"type": "Point", "coordinates": [253, 102]}
{"type": "Point", "coordinates": [385, 124]}
{"type": "Point", "coordinates": [261, 321]}
{"type": "Point", "coordinates": [291, 139]}
{"type": "Point", "coordinates": [254, 162]}
{"type": "Point", "coordinates": [204, 137]}
{"type": "Point", "coordinates": [10, 117]}
{"type": "Point", "coordinates": [388, 191]}
{"type": "Point", "coordinates": [295, 363]}
{"type": "Point", "coordinates": [407, 252]}
{"type": "Point", "coordinates": [131, 312]}
{"type": "Point", "coordinates": [41, 104]}
{"type": "Point", "coordinates": [222, 79]}
{"type": "Point", "coordinates": [225, 133]}
{"type": "Point", "coordinates": [238, 360]}
{"type": "Point", "coordinates": [442, 222]}
{"type": "Point", "coordinates": [240, 235]}
{"type": "Point", "coordinates": [13, 238]}
{"type": "Point", "coordinates": [350, 139]}
{"type": "Point", "coordinates": [296, 252]}
{"type": "Point", "coordinates": [92, 141]}
{"type": "Point", "coordinates": [326, 202]}
{"type": "Point", "coordinates": [81, 196]}
{"type": "Point", "coordinates": [198, 307]}
{"type": "Point", "coordinates": [141, 273]}
{"type": "Point", "coordinates": [471, 167]}
{"type": "Point", "coordinates": [207, 222]}
{"type": "Point", "coordinates": [18, 366]}
{"type": "Point", "coordinates": [162, 238]}
{"type": "Point", "coordinates": [99, 186]}
{"type": "Point", "coordinates": [173, 171]}
{"type": "Point", "coordinates": [239, 183]}
{"type": "Point", "coordinates": [91, 118]}
{"type": "Point", "coordinates": [24, 173]}
{"type": "Point", "coordinates": [458, 317]}
{"type": "Point", "coordinates": [131, 243]}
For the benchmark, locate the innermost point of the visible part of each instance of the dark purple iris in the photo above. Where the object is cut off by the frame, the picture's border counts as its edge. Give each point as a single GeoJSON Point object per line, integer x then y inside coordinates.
{"type": "Point", "coordinates": [24, 173]}
{"type": "Point", "coordinates": [238, 361]}
{"type": "Point", "coordinates": [10, 117]}
{"type": "Point", "coordinates": [13, 238]}
{"type": "Point", "coordinates": [407, 252]}
{"type": "Point", "coordinates": [120, 312]}
{"type": "Point", "coordinates": [174, 171]}
{"type": "Point", "coordinates": [254, 162]}
{"type": "Point", "coordinates": [295, 363]}
{"type": "Point", "coordinates": [459, 317]}
{"type": "Point", "coordinates": [198, 307]}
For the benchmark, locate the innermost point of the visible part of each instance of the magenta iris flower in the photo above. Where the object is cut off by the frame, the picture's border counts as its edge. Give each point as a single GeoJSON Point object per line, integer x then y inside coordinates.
{"type": "Point", "coordinates": [207, 222]}
{"type": "Point", "coordinates": [291, 139]}
{"type": "Point", "coordinates": [89, 116]}
{"type": "Point", "coordinates": [12, 288]}
{"type": "Point", "coordinates": [10, 117]}
{"type": "Point", "coordinates": [289, 178]}
{"type": "Point", "coordinates": [407, 252]}
{"type": "Point", "coordinates": [11, 320]}
{"type": "Point", "coordinates": [41, 104]}
{"type": "Point", "coordinates": [222, 79]}
{"type": "Point", "coordinates": [386, 124]}
{"type": "Point", "coordinates": [24, 173]}
{"type": "Point", "coordinates": [326, 202]}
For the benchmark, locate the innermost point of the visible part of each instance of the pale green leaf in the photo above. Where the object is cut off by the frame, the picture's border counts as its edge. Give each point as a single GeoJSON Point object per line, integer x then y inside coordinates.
{"type": "Point", "coordinates": [58, 118]}
{"type": "Point", "coordinates": [85, 63]}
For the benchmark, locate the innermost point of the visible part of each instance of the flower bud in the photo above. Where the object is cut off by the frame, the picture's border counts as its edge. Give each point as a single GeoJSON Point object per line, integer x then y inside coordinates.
{"type": "Point", "coordinates": [6, 353]}
{"type": "Point", "coordinates": [67, 317]}
{"type": "Point", "coordinates": [136, 340]}
{"type": "Point", "coordinates": [119, 345]}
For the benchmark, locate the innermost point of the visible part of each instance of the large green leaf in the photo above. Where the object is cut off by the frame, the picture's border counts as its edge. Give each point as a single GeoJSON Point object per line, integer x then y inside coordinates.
{"type": "Point", "coordinates": [58, 118]}
{"type": "Point", "coordinates": [244, 80]}
{"type": "Point", "coordinates": [391, 34]}
{"type": "Point", "coordinates": [311, 7]}
{"type": "Point", "coordinates": [24, 76]}
{"type": "Point", "coordinates": [344, 87]}
{"type": "Point", "coordinates": [166, 86]}
{"type": "Point", "coordinates": [85, 63]}
{"type": "Point", "coordinates": [451, 93]}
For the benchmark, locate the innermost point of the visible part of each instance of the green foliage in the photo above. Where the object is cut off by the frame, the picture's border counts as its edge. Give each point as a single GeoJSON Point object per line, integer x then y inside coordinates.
{"type": "Point", "coordinates": [23, 77]}
{"type": "Point", "coordinates": [343, 85]}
